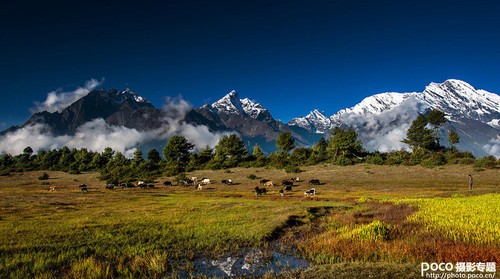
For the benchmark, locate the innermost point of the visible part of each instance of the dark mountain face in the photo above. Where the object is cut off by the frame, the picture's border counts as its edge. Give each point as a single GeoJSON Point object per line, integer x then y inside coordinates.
{"type": "Point", "coordinates": [252, 121]}
{"type": "Point", "coordinates": [116, 108]}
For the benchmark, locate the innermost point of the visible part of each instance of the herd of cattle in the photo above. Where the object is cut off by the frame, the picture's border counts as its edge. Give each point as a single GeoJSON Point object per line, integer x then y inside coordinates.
{"type": "Point", "coordinates": [286, 184]}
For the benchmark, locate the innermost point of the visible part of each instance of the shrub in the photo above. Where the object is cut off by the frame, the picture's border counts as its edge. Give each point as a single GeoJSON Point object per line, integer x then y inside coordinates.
{"type": "Point", "coordinates": [376, 230]}
{"type": "Point", "coordinates": [435, 159]}
{"type": "Point", "coordinates": [74, 172]}
{"type": "Point", "coordinates": [292, 169]}
{"type": "Point", "coordinates": [397, 157]}
{"type": "Point", "coordinates": [488, 162]}
{"type": "Point", "coordinates": [44, 176]}
{"type": "Point", "coordinates": [375, 159]}
{"type": "Point", "coordinates": [180, 177]}
{"type": "Point", "coordinates": [343, 161]}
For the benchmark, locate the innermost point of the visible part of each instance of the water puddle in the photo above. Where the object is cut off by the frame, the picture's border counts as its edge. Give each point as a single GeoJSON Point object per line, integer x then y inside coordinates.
{"type": "Point", "coordinates": [251, 262]}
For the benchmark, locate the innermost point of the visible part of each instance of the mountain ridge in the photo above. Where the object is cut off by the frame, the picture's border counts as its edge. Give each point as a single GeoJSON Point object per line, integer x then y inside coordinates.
{"type": "Point", "coordinates": [381, 119]}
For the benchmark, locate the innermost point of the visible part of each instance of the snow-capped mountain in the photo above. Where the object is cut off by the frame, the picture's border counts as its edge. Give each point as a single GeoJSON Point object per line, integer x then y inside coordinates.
{"type": "Point", "coordinates": [315, 122]}
{"type": "Point", "coordinates": [248, 118]}
{"type": "Point", "coordinates": [381, 120]}
{"type": "Point", "coordinates": [231, 104]}
{"type": "Point", "coordinates": [460, 100]}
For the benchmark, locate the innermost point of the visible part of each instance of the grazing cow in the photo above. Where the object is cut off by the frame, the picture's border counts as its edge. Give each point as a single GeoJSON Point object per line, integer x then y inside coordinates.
{"type": "Point", "coordinates": [288, 188]}
{"type": "Point", "coordinates": [260, 191]}
{"type": "Point", "coordinates": [205, 181]}
{"type": "Point", "coordinates": [51, 188]}
{"type": "Point", "coordinates": [310, 192]}
{"type": "Point", "coordinates": [314, 182]}
{"type": "Point", "coordinates": [127, 185]}
{"type": "Point", "coordinates": [187, 182]}
{"type": "Point", "coordinates": [83, 187]}
{"type": "Point", "coordinates": [282, 193]}
{"type": "Point", "coordinates": [227, 181]}
{"type": "Point", "coordinates": [199, 187]}
{"type": "Point", "coordinates": [269, 183]}
{"type": "Point", "coordinates": [167, 183]}
{"type": "Point", "coordinates": [296, 179]}
{"type": "Point", "coordinates": [287, 183]}
{"type": "Point", "coordinates": [110, 186]}
{"type": "Point", "coordinates": [263, 181]}
{"type": "Point", "coordinates": [195, 179]}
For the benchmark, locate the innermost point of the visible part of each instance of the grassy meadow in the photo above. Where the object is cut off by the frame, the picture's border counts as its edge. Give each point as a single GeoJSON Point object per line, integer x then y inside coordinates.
{"type": "Point", "coordinates": [365, 220]}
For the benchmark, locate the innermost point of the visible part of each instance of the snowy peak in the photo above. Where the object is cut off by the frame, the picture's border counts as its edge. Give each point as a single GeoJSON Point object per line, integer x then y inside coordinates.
{"type": "Point", "coordinates": [129, 94]}
{"type": "Point", "coordinates": [377, 103]}
{"type": "Point", "coordinates": [459, 99]}
{"type": "Point", "coordinates": [315, 122]}
{"type": "Point", "coordinates": [119, 97]}
{"type": "Point", "coordinates": [232, 104]}
{"type": "Point", "coordinates": [229, 104]}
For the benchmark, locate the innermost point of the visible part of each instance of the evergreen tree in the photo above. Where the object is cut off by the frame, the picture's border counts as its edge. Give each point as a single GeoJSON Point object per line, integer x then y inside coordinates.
{"type": "Point", "coordinates": [344, 143]}
{"type": "Point", "coordinates": [177, 151]}
{"type": "Point", "coordinates": [230, 151]}
{"type": "Point", "coordinates": [285, 142]}
{"type": "Point", "coordinates": [453, 138]}
{"type": "Point", "coordinates": [319, 151]}
{"type": "Point", "coordinates": [154, 156]}
{"type": "Point", "coordinates": [258, 156]}
{"type": "Point", "coordinates": [420, 136]}
{"type": "Point", "coordinates": [137, 159]}
{"type": "Point", "coordinates": [205, 156]}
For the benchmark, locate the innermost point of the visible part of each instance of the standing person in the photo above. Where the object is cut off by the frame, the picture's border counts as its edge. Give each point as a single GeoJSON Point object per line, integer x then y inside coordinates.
{"type": "Point", "coordinates": [470, 182]}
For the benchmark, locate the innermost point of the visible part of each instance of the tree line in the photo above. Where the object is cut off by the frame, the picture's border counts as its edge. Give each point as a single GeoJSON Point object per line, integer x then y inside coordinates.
{"type": "Point", "coordinates": [342, 148]}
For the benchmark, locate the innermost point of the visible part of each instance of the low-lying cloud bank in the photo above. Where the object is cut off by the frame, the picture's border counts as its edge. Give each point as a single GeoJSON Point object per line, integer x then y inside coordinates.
{"type": "Point", "coordinates": [96, 135]}
{"type": "Point", "coordinates": [385, 131]}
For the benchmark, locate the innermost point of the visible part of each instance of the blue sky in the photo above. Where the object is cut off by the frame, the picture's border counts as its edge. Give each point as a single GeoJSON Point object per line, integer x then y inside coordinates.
{"type": "Point", "coordinates": [290, 56]}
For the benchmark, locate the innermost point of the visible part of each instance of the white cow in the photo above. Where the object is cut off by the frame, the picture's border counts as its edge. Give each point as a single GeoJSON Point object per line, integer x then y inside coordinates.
{"type": "Point", "coordinates": [205, 181]}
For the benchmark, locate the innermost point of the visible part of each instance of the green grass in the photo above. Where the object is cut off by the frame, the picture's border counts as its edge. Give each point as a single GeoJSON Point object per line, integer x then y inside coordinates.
{"type": "Point", "coordinates": [135, 233]}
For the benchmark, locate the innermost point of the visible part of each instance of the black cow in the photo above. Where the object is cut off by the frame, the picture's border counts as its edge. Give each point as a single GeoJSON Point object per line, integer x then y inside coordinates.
{"type": "Point", "coordinates": [287, 183]}
{"type": "Point", "coordinates": [314, 182]}
{"type": "Point", "coordinates": [288, 188]}
{"type": "Point", "coordinates": [84, 188]}
{"type": "Point", "coordinates": [260, 191]}
{"type": "Point", "coordinates": [282, 193]}
{"type": "Point", "coordinates": [110, 186]}
{"type": "Point", "coordinates": [227, 181]}
{"type": "Point", "coordinates": [167, 183]}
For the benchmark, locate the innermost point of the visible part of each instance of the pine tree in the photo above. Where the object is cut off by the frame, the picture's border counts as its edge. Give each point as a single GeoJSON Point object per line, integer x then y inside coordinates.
{"type": "Point", "coordinates": [344, 143]}
{"type": "Point", "coordinates": [285, 142]}
{"type": "Point", "coordinates": [453, 138]}
{"type": "Point", "coordinates": [230, 151]}
{"type": "Point", "coordinates": [177, 151]}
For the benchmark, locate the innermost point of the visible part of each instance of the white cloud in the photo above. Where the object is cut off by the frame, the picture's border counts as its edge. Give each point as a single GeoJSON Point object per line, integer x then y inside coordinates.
{"type": "Point", "coordinates": [385, 131]}
{"type": "Point", "coordinates": [96, 135]}
{"type": "Point", "coordinates": [493, 148]}
{"type": "Point", "coordinates": [174, 112]}
{"type": "Point", "coordinates": [57, 100]}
